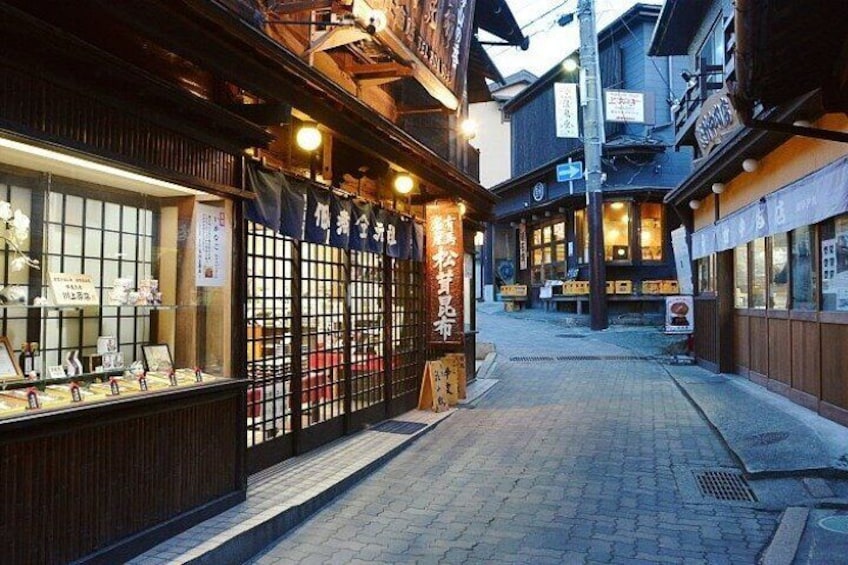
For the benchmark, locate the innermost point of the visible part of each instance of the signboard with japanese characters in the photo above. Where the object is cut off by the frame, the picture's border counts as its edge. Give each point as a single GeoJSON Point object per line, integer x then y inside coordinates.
{"type": "Point", "coordinates": [444, 273]}
{"type": "Point", "coordinates": [679, 315]}
{"type": "Point", "coordinates": [628, 106]}
{"type": "Point", "coordinates": [565, 110]}
{"type": "Point", "coordinates": [70, 289]}
{"type": "Point", "coordinates": [522, 247]}
{"type": "Point", "coordinates": [211, 246]}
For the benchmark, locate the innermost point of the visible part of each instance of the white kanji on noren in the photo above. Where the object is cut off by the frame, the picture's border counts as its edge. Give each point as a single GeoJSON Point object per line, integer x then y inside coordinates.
{"type": "Point", "coordinates": [391, 234]}
{"type": "Point", "coordinates": [379, 231]}
{"type": "Point", "coordinates": [322, 216]}
{"type": "Point", "coordinates": [343, 223]}
{"type": "Point", "coordinates": [363, 224]}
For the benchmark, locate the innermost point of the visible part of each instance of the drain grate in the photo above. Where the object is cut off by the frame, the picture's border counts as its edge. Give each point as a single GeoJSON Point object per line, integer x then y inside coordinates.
{"type": "Point", "coordinates": [575, 336]}
{"type": "Point", "coordinates": [537, 359]}
{"type": "Point", "coordinates": [399, 427]}
{"type": "Point", "coordinates": [724, 485]}
{"type": "Point", "coordinates": [530, 359]}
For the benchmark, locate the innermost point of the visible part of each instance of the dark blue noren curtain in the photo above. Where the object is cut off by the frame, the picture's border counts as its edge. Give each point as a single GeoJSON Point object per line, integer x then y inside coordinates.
{"type": "Point", "coordinates": [294, 207]}
{"type": "Point", "coordinates": [341, 216]}
{"type": "Point", "coordinates": [265, 208]}
{"type": "Point", "coordinates": [363, 219]}
{"type": "Point", "coordinates": [318, 216]}
{"type": "Point", "coordinates": [403, 235]}
{"type": "Point", "coordinates": [418, 242]}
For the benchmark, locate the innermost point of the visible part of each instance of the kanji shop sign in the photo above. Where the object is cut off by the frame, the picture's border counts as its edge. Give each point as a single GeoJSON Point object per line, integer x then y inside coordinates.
{"type": "Point", "coordinates": [717, 120]}
{"type": "Point", "coordinates": [444, 273]}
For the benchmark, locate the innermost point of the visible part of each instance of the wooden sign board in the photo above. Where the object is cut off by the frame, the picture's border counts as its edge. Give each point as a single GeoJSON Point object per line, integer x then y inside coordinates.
{"type": "Point", "coordinates": [433, 394]}
{"type": "Point", "coordinates": [514, 290]}
{"type": "Point", "coordinates": [456, 376]}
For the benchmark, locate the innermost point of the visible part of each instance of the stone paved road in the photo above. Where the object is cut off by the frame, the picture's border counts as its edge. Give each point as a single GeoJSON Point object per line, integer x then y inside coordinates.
{"type": "Point", "coordinates": [562, 462]}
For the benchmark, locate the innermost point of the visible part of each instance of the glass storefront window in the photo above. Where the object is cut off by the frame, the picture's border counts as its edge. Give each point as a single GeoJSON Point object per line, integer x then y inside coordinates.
{"type": "Point", "coordinates": [758, 273]}
{"type": "Point", "coordinates": [740, 276]}
{"type": "Point", "coordinates": [779, 275]}
{"type": "Point", "coordinates": [617, 231]}
{"type": "Point", "coordinates": [548, 253]}
{"type": "Point", "coordinates": [804, 281]}
{"type": "Point", "coordinates": [707, 274]}
{"type": "Point", "coordinates": [834, 263]}
{"type": "Point", "coordinates": [651, 231]}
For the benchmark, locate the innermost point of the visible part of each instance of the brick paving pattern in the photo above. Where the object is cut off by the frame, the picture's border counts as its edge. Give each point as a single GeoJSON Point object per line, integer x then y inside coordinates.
{"type": "Point", "coordinates": [561, 462]}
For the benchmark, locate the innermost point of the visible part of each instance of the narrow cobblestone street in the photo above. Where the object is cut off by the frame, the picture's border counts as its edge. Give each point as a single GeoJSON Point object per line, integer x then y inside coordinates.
{"type": "Point", "coordinates": [562, 462]}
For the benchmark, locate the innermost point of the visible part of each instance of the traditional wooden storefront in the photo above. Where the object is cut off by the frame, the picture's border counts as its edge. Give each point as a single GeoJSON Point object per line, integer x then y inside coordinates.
{"type": "Point", "coordinates": [767, 196]}
{"type": "Point", "coordinates": [181, 339]}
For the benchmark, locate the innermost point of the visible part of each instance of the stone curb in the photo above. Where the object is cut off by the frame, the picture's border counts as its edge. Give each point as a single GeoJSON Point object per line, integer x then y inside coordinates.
{"type": "Point", "coordinates": [783, 546]}
{"type": "Point", "coordinates": [246, 545]}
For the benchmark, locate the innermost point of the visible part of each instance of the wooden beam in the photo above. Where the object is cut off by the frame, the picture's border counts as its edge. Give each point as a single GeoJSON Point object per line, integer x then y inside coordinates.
{"type": "Point", "coordinates": [286, 8]}
{"type": "Point", "coordinates": [335, 37]}
{"type": "Point", "coordinates": [409, 111]}
{"type": "Point", "coordinates": [395, 70]}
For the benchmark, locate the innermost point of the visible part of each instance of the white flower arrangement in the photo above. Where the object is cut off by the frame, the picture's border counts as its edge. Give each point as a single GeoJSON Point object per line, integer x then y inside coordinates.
{"type": "Point", "coordinates": [14, 230]}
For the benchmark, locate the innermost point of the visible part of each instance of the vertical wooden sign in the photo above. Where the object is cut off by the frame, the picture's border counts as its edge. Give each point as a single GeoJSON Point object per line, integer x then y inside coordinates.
{"type": "Point", "coordinates": [444, 273]}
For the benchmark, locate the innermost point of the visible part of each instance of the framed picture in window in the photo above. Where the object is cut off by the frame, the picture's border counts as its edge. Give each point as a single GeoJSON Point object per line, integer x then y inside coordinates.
{"type": "Point", "coordinates": [9, 368]}
{"type": "Point", "coordinates": [157, 357]}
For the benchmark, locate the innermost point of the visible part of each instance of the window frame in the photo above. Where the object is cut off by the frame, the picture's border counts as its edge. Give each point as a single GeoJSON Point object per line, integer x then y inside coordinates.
{"type": "Point", "coordinates": [546, 268]}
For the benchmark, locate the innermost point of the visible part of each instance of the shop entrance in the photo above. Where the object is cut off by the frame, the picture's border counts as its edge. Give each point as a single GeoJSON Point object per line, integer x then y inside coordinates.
{"type": "Point", "coordinates": [335, 342]}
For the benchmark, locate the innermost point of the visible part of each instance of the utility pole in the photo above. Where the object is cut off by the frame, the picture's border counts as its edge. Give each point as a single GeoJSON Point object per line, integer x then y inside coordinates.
{"type": "Point", "coordinates": [592, 140]}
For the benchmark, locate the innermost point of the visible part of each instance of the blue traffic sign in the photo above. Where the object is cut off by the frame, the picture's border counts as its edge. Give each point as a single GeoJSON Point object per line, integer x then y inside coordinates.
{"type": "Point", "coordinates": [569, 171]}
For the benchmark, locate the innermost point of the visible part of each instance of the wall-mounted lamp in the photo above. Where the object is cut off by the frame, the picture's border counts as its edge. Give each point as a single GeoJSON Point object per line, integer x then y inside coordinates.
{"type": "Point", "coordinates": [694, 204]}
{"type": "Point", "coordinates": [468, 128]}
{"type": "Point", "coordinates": [376, 21]}
{"type": "Point", "coordinates": [718, 187]}
{"type": "Point", "coordinates": [802, 123]}
{"type": "Point", "coordinates": [308, 137]}
{"type": "Point", "coordinates": [462, 208]}
{"type": "Point", "coordinates": [403, 183]}
{"type": "Point", "coordinates": [479, 239]}
{"type": "Point", "coordinates": [750, 165]}
{"type": "Point", "coordinates": [570, 65]}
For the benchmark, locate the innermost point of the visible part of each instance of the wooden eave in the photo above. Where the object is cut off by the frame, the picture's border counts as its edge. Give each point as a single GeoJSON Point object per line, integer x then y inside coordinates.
{"type": "Point", "coordinates": [27, 41]}
{"type": "Point", "coordinates": [209, 33]}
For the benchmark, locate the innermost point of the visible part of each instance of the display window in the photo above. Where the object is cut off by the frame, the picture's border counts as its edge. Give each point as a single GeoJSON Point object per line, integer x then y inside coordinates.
{"type": "Point", "coordinates": [110, 290]}
{"type": "Point", "coordinates": [617, 216]}
{"type": "Point", "coordinates": [757, 288]}
{"type": "Point", "coordinates": [779, 272]}
{"type": "Point", "coordinates": [706, 268]}
{"type": "Point", "coordinates": [651, 231]}
{"type": "Point", "coordinates": [740, 276]}
{"type": "Point", "coordinates": [834, 263]}
{"type": "Point", "coordinates": [802, 268]}
{"type": "Point", "coordinates": [548, 252]}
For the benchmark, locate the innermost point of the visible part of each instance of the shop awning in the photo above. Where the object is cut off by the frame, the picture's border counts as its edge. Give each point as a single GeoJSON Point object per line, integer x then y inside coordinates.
{"type": "Point", "coordinates": [814, 198]}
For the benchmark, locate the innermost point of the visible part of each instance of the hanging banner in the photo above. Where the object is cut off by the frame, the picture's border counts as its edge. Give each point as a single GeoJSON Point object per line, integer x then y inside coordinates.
{"type": "Point", "coordinates": [293, 201]}
{"type": "Point", "coordinates": [522, 247]}
{"type": "Point", "coordinates": [393, 227]}
{"type": "Point", "coordinates": [318, 216]}
{"type": "Point", "coordinates": [444, 273]}
{"type": "Point", "coordinates": [211, 246]}
{"type": "Point", "coordinates": [341, 218]}
{"type": "Point", "coordinates": [404, 239]}
{"type": "Point", "coordinates": [266, 185]}
{"type": "Point", "coordinates": [681, 260]}
{"type": "Point", "coordinates": [703, 242]}
{"type": "Point", "coordinates": [362, 227]}
{"type": "Point", "coordinates": [384, 231]}
{"type": "Point", "coordinates": [565, 110]}
{"type": "Point", "coordinates": [417, 242]}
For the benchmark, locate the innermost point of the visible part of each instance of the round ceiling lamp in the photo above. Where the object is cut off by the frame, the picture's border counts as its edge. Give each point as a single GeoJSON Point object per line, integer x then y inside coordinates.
{"type": "Point", "coordinates": [404, 183]}
{"type": "Point", "coordinates": [308, 137]}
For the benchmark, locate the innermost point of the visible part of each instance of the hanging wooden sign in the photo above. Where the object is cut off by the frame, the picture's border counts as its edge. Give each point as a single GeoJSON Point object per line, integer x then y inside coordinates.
{"type": "Point", "coordinates": [444, 273]}
{"type": "Point", "coordinates": [433, 394]}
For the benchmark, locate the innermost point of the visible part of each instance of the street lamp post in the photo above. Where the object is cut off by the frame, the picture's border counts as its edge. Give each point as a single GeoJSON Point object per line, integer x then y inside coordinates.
{"type": "Point", "coordinates": [592, 140]}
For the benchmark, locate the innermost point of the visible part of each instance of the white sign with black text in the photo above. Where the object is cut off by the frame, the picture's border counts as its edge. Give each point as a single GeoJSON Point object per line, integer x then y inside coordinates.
{"type": "Point", "coordinates": [565, 110]}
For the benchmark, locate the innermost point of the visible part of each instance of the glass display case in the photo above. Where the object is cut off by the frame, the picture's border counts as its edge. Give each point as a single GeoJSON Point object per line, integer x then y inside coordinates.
{"type": "Point", "coordinates": [110, 290]}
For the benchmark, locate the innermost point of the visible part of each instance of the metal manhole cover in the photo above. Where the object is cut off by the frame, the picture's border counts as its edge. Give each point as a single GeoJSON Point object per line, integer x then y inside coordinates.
{"type": "Point", "coordinates": [571, 335]}
{"type": "Point", "coordinates": [399, 427]}
{"type": "Point", "coordinates": [767, 438]}
{"type": "Point", "coordinates": [838, 524]}
{"type": "Point", "coordinates": [723, 485]}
